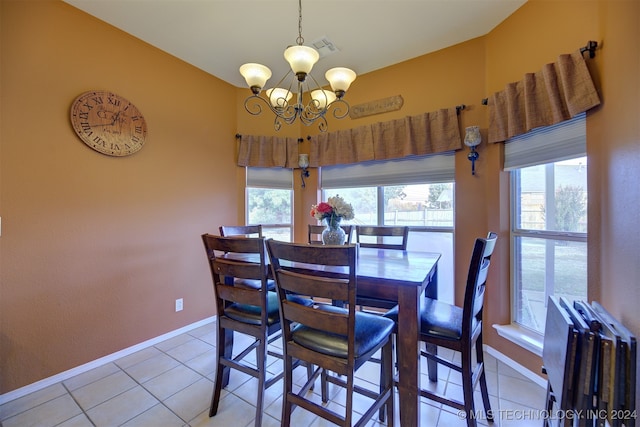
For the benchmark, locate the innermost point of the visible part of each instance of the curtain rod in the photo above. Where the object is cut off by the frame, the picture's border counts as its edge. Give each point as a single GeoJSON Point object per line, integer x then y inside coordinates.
{"type": "Point", "coordinates": [590, 47]}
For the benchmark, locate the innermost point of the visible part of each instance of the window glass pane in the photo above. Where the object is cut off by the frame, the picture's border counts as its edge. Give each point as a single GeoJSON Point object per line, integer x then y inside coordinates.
{"type": "Point", "coordinates": [363, 200]}
{"type": "Point", "coordinates": [442, 243]}
{"type": "Point", "coordinates": [277, 233]}
{"type": "Point", "coordinates": [547, 267]}
{"type": "Point", "coordinates": [268, 206]}
{"type": "Point", "coordinates": [549, 237]}
{"type": "Point", "coordinates": [422, 205]}
{"type": "Point", "coordinates": [553, 196]}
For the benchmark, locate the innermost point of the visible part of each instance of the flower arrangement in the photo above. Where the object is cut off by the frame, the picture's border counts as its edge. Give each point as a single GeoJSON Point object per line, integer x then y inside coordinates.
{"type": "Point", "coordinates": [333, 210]}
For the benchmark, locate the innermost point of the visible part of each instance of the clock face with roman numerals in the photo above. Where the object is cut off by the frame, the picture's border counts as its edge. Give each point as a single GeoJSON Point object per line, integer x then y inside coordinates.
{"type": "Point", "coordinates": [108, 123]}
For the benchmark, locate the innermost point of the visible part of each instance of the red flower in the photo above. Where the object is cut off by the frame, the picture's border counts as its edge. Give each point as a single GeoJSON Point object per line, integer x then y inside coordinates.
{"type": "Point", "coordinates": [324, 208]}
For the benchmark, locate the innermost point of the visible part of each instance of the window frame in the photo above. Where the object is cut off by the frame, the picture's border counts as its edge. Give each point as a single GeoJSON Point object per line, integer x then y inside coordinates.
{"type": "Point", "coordinates": [516, 231]}
{"type": "Point", "coordinates": [550, 144]}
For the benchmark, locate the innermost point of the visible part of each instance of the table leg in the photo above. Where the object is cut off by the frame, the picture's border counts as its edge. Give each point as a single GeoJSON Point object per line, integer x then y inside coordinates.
{"type": "Point", "coordinates": [408, 355]}
{"type": "Point", "coordinates": [432, 292]}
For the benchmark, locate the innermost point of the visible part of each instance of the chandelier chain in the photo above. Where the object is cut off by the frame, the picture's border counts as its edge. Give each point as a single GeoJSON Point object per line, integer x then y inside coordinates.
{"type": "Point", "coordinates": [300, 39]}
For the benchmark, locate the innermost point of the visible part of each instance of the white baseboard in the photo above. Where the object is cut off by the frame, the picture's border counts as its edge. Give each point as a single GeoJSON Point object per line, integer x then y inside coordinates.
{"type": "Point", "coordinates": [39, 385]}
{"type": "Point", "coordinates": [542, 382]}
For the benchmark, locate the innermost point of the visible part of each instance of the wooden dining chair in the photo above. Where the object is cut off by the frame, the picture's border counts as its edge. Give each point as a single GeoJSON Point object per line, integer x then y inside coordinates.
{"type": "Point", "coordinates": [460, 329]}
{"type": "Point", "coordinates": [334, 339]}
{"type": "Point", "coordinates": [243, 307]}
{"type": "Point", "coordinates": [315, 233]}
{"type": "Point", "coordinates": [382, 237]}
{"type": "Point", "coordinates": [386, 237]}
{"type": "Point", "coordinates": [241, 230]}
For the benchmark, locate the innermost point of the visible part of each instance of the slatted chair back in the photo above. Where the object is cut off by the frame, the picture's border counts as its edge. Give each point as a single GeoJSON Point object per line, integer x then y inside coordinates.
{"type": "Point", "coordinates": [476, 282]}
{"type": "Point", "coordinates": [382, 237]}
{"type": "Point", "coordinates": [241, 230]}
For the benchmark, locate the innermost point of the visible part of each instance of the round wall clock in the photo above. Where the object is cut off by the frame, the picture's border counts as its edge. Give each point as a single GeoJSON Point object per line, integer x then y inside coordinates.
{"type": "Point", "coordinates": [108, 123]}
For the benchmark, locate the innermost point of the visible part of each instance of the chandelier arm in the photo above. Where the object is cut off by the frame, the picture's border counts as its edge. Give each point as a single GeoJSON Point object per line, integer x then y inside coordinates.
{"type": "Point", "coordinates": [337, 109]}
{"type": "Point", "coordinates": [279, 84]}
{"type": "Point", "coordinates": [322, 124]}
{"type": "Point", "coordinates": [308, 120]}
{"type": "Point", "coordinates": [255, 108]}
{"type": "Point", "coordinates": [308, 117]}
{"type": "Point", "coordinates": [312, 109]}
{"type": "Point", "coordinates": [287, 114]}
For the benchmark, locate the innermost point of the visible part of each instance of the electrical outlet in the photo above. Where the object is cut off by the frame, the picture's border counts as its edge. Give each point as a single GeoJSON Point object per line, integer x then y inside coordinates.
{"type": "Point", "coordinates": [179, 304]}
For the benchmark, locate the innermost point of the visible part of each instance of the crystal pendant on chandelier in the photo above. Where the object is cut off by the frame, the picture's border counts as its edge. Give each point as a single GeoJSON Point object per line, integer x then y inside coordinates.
{"type": "Point", "coordinates": [279, 100]}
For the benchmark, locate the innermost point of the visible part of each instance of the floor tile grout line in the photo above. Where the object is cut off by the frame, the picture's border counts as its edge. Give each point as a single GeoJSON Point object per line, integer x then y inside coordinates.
{"type": "Point", "coordinates": [77, 403]}
{"type": "Point", "coordinates": [160, 401]}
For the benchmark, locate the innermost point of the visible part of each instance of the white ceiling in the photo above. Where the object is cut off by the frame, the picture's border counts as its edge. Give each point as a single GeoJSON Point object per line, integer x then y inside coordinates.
{"type": "Point", "coordinates": [218, 36]}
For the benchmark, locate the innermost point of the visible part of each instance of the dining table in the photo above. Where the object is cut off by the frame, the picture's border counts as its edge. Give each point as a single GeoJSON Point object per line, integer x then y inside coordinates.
{"type": "Point", "coordinates": [404, 277]}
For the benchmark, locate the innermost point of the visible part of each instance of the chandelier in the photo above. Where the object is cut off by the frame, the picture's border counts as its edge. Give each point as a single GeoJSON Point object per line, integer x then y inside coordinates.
{"type": "Point", "coordinates": [278, 99]}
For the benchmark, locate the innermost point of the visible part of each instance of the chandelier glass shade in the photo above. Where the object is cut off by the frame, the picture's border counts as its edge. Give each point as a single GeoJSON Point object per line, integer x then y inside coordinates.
{"type": "Point", "coordinates": [298, 81]}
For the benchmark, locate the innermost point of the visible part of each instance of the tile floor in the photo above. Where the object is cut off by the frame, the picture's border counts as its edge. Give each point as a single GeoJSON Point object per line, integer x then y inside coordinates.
{"type": "Point", "coordinates": [170, 384]}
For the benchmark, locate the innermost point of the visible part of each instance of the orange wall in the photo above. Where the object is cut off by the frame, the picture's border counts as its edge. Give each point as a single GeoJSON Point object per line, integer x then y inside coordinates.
{"type": "Point", "coordinates": [119, 236]}
{"type": "Point", "coordinates": [536, 34]}
{"type": "Point", "coordinates": [96, 249]}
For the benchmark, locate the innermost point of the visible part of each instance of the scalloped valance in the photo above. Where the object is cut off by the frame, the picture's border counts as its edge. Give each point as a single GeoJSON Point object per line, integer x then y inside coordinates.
{"type": "Point", "coordinates": [427, 133]}
{"type": "Point", "coordinates": [268, 151]}
{"type": "Point", "coordinates": [558, 92]}
{"type": "Point", "coordinates": [423, 134]}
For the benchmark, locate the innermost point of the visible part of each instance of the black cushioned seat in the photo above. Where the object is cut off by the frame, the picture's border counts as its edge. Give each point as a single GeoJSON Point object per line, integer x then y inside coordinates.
{"type": "Point", "coordinates": [438, 319]}
{"type": "Point", "coordinates": [252, 314]}
{"type": "Point", "coordinates": [254, 284]}
{"type": "Point", "coordinates": [369, 330]}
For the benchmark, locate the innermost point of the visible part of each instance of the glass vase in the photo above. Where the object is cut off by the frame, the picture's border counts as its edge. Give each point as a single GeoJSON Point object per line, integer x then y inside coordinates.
{"type": "Point", "coordinates": [333, 234]}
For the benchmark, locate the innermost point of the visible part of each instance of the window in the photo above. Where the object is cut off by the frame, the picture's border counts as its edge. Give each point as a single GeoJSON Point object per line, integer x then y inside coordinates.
{"type": "Point", "coordinates": [417, 192]}
{"type": "Point", "coordinates": [269, 194]}
{"type": "Point", "coordinates": [549, 219]}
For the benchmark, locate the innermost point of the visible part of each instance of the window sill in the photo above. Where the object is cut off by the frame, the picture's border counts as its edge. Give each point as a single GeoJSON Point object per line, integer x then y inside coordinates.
{"type": "Point", "coordinates": [521, 336]}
